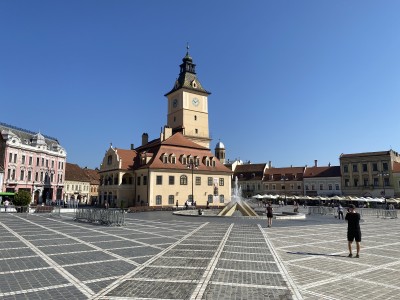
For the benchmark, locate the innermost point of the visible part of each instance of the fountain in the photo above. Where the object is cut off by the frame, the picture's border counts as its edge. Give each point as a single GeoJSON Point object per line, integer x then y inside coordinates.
{"type": "Point", "coordinates": [237, 204]}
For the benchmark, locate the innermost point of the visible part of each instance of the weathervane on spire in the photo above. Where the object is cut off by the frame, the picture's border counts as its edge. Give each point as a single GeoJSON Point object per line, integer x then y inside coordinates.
{"type": "Point", "coordinates": [187, 48]}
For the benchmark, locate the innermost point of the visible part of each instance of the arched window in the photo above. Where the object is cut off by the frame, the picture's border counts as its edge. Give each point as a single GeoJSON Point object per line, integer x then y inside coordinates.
{"type": "Point", "coordinates": [183, 180]}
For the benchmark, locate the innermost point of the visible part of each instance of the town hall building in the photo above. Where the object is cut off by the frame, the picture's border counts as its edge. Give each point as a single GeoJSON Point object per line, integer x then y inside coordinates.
{"type": "Point", "coordinates": [176, 167]}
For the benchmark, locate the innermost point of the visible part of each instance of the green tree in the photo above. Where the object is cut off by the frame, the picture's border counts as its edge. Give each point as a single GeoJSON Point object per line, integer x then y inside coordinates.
{"type": "Point", "coordinates": [22, 198]}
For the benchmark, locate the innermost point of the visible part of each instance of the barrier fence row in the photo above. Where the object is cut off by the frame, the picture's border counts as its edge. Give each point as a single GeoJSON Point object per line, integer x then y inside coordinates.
{"type": "Point", "coordinates": [374, 212]}
{"type": "Point", "coordinates": [109, 217]}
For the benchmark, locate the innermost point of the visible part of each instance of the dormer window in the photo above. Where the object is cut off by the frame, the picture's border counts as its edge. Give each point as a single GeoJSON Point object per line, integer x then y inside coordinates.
{"type": "Point", "coordinates": [213, 163]}
{"type": "Point", "coordinates": [194, 84]}
{"type": "Point", "coordinates": [172, 159]}
{"type": "Point", "coordinates": [183, 159]}
{"type": "Point", "coordinates": [165, 158]}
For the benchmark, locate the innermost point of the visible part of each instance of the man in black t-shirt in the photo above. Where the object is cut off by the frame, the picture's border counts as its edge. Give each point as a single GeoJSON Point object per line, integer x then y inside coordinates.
{"type": "Point", "coordinates": [353, 229]}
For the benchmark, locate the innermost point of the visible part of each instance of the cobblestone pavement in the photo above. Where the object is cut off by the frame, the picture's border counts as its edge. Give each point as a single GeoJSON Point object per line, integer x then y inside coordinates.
{"type": "Point", "coordinates": [161, 256]}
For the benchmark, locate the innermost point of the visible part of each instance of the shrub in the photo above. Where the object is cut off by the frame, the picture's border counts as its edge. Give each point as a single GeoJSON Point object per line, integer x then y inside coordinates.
{"type": "Point", "coordinates": [22, 198]}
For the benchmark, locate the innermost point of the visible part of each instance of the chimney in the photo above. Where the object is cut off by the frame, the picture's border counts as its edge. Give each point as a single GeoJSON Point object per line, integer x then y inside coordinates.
{"type": "Point", "coordinates": [269, 165]}
{"type": "Point", "coordinates": [132, 147]}
{"type": "Point", "coordinates": [167, 132]}
{"type": "Point", "coordinates": [329, 164]}
{"type": "Point", "coordinates": [145, 138]}
{"type": "Point", "coordinates": [315, 163]}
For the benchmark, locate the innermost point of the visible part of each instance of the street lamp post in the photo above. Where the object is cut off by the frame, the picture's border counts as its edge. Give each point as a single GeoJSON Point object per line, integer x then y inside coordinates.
{"type": "Point", "coordinates": [192, 165]}
{"type": "Point", "coordinates": [284, 178]}
{"type": "Point", "coordinates": [383, 174]}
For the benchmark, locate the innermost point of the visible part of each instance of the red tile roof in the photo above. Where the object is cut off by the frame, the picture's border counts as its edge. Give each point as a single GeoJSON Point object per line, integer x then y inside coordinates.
{"type": "Point", "coordinates": [328, 171]}
{"type": "Point", "coordinates": [93, 176]}
{"type": "Point", "coordinates": [249, 172]}
{"type": "Point", "coordinates": [396, 167]}
{"type": "Point", "coordinates": [178, 145]}
{"type": "Point", "coordinates": [291, 173]}
{"type": "Point", "coordinates": [127, 157]}
{"type": "Point", "coordinates": [75, 173]}
{"type": "Point", "coordinates": [378, 153]}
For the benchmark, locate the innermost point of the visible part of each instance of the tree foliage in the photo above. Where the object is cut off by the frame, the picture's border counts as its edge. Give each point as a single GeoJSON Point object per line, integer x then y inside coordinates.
{"type": "Point", "coordinates": [22, 198]}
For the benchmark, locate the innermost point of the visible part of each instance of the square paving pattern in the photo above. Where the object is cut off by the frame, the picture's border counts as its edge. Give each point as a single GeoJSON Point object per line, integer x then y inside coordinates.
{"type": "Point", "coordinates": [158, 255]}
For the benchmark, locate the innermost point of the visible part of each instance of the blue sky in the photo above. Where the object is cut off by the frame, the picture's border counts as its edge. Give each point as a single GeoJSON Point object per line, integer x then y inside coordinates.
{"type": "Point", "coordinates": [291, 81]}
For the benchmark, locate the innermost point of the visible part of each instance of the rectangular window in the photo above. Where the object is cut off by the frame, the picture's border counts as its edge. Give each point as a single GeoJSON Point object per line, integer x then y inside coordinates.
{"type": "Point", "coordinates": [210, 198]}
{"type": "Point", "coordinates": [138, 180]}
{"type": "Point", "coordinates": [41, 176]}
{"type": "Point", "coordinates": [365, 167]}
{"type": "Point", "coordinates": [10, 157]}
{"type": "Point", "coordinates": [347, 182]}
{"type": "Point", "coordinates": [273, 187]}
{"type": "Point", "coordinates": [345, 169]}
{"type": "Point", "coordinates": [221, 183]}
{"type": "Point", "coordinates": [37, 176]}
{"type": "Point", "coordinates": [366, 182]}
{"type": "Point", "coordinates": [307, 188]}
{"type": "Point", "coordinates": [355, 182]}
{"type": "Point", "coordinates": [23, 159]}
{"type": "Point", "coordinates": [330, 187]}
{"type": "Point", "coordinates": [299, 187]}
{"type": "Point", "coordinates": [283, 187]}
{"type": "Point", "coordinates": [13, 174]}
{"type": "Point", "coordinates": [209, 181]}
{"type": "Point", "coordinates": [171, 200]}
{"type": "Point", "coordinates": [386, 181]}
{"type": "Point", "coordinates": [375, 167]}
{"type": "Point", "coordinates": [37, 161]}
{"type": "Point", "coordinates": [42, 162]}
{"type": "Point", "coordinates": [15, 158]}
{"type": "Point", "coordinates": [376, 181]}
{"type": "Point", "coordinates": [355, 168]}
{"type": "Point", "coordinates": [52, 164]}
{"type": "Point", "coordinates": [144, 180]}
{"type": "Point", "coordinates": [321, 187]}
{"type": "Point", "coordinates": [29, 175]}
{"type": "Point", "coordinates": [221, 199]}
{"type": "Point", "coordinates": [159, 180]}
{"type": "Point", "coordinates": [198, 180]}
{"type": "Point", "coordinates": [9, 174]}
{"type": "Point", "coordinates": [337, 186]}
{"type": "Point", "coordinates": [158, 200]}
{"type": "Point", "coordinates": [21, 176]}
{"type": "Point", "coordinates": [171, 180]}
{"type": "Point", "coordinates": [385, 166]}
{"type": "Point", "coordinates": [47, 163]}
{"type": "Point", "coordinates": [51, 177]}
{"type": "Point", "coordinates": [30, 160]}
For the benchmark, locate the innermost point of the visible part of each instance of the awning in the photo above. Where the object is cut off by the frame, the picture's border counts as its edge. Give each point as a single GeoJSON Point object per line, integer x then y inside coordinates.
{"type": "Point", "coordinates": [7, 194]}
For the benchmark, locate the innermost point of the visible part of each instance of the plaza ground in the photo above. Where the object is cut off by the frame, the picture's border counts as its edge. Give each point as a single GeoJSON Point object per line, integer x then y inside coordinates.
{"type": "Point", "coordinates": [161, 256]}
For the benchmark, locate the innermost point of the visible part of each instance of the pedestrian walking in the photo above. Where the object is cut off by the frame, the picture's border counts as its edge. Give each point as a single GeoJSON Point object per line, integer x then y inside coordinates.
{"type": "Point", "coordinates": [6, 204]}
{"type": "Point", "coordinates": [177, 204]}
{"type": "Point", "coordinates": [340, 211]}
{"type": "Point", "coordinates": [270, 214]}
{"type": "Point", "coordinates": [353, 229]}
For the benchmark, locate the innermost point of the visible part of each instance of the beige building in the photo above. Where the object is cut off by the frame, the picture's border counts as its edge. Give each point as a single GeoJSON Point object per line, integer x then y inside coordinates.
{"type": "Point", "coordinates": [322, 181]}
{"type": "Point", "coordinates": [369, 174]}
{"type": "Point", "coordinates": [284, 181]}
{"type": "Point", "coordinates": [396, 179]}
{"type": "Point", "coordinates": [176, 167]}
{"type": "Point", "coordinates": [117, 177]}
{"type": "Point", "coordinates": [94, 184]}
{"type": "Point", "coordinates": [77, 184]}
{"type": "Point", "coordinates": [250, 178]}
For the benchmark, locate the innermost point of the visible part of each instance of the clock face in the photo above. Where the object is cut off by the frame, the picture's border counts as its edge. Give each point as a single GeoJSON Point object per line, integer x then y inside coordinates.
{"type": "Point", "coordinates": [175, 103]}
{"type": "Point", "coordinates": [195, 101]}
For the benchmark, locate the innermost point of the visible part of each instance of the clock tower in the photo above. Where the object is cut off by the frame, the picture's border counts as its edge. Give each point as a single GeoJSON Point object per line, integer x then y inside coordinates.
{"type": "Point", "coordinates": [188, 105]}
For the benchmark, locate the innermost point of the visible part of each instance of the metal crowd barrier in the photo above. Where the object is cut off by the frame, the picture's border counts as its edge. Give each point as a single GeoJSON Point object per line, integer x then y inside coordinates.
{"type": "Point", "coordinates": [379, 213]}
{"type": "Point", "coordinates": [109, 217]}
{"type": "Point", "coordinates": [321, 210]}
{"type": "Point", "coordinates": [374, 212]}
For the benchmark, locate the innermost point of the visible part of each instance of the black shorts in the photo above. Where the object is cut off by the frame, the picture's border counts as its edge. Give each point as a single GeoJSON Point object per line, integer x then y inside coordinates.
{"type": "Point", "coordinates": [354, 235]}
{"type": "Point", "coordinates": [270, 215]}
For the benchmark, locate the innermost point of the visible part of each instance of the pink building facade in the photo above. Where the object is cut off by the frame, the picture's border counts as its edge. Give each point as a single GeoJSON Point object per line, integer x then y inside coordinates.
{"type": "Point", "coordinates": [32, 162]}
